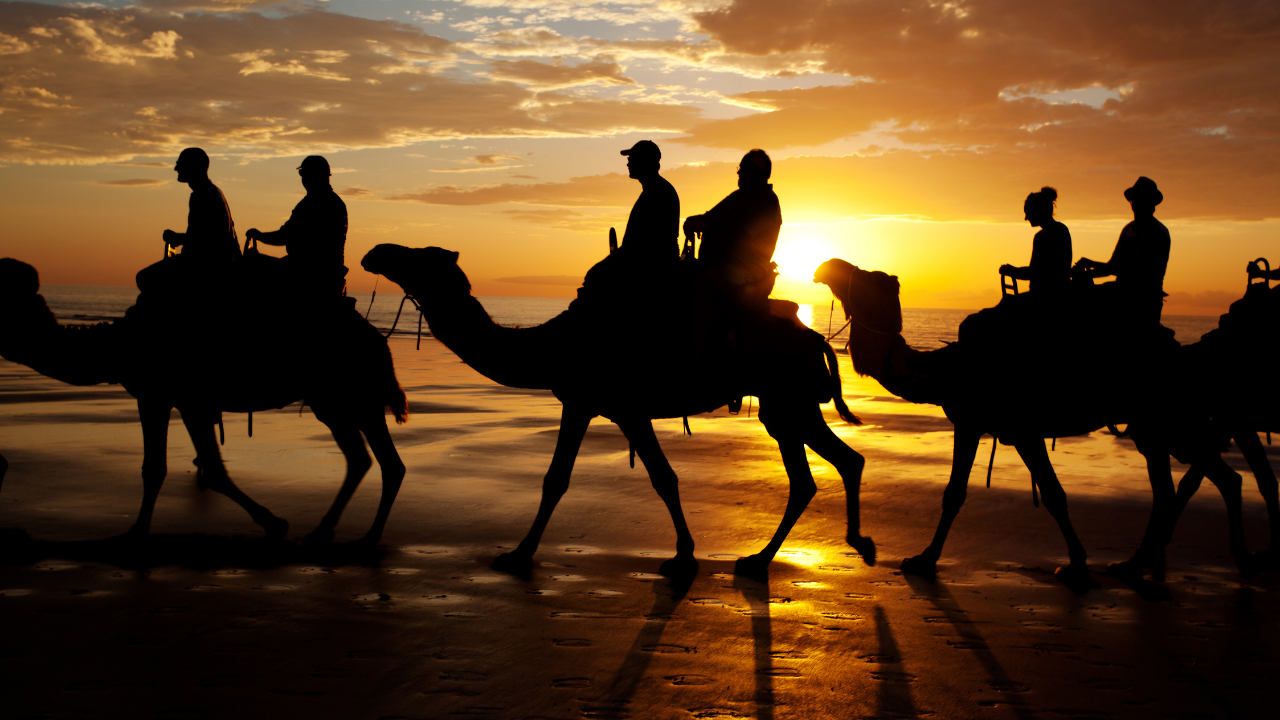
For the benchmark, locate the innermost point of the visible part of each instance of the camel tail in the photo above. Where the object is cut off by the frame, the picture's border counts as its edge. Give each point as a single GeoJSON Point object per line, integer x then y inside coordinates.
{"type": "Point", "coordinates": [837, 395]}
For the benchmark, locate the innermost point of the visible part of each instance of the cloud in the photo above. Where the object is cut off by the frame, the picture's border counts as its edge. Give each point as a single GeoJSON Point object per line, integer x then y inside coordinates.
{"type": "Point", "coordinates": [132, 182]}
{"type": "Point", "coordinates": [554, 75]}
{"type": "Point", "coordinates": [495, 159]}
{"type": "Point", "coordinates": [145, 164]}
{"type": "Point", "coordinates": [355, 192]}
{"type": "Point", "coordinates": [612, 190]}
{"type": "Point", "coordinates": [298, 82]}
{"type": "Point", "coordinates": [570, 280]}
{"type": "Point", "coordinates": [1187, 93]}
{"type": "Point", "coordinates": [562, 219]}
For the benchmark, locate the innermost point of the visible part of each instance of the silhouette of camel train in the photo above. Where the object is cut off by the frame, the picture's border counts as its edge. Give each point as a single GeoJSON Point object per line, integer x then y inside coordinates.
{"type": "Point", "coordinates": [710, 309]}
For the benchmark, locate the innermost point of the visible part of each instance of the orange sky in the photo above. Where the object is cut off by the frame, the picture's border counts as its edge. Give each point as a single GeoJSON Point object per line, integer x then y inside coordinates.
{"type": "Point", "coordinates": [904, 134]}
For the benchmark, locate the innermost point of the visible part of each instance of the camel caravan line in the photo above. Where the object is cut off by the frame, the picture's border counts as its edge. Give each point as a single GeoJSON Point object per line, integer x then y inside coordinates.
{"type": "Point", "coordinates": [346, 375]}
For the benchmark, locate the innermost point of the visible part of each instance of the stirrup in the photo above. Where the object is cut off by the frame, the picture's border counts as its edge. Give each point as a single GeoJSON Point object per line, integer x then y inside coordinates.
{"type": "Point", "coordinates": [735, 405]}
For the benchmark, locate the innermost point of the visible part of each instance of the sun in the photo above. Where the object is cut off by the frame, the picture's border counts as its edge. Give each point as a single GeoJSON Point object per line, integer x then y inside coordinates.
{"type": "Point", "coordinates": [798, 257]}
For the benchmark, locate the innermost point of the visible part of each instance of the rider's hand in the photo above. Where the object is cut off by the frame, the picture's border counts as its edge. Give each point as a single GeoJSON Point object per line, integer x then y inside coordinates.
{"type": "Point", "coordinates": [170, 236]}
{"type": "Point", "coordinates": [694, 224]}
{"type": "Point", "coordinates": [1253, 269]}
{"type": "Point", "coordinates": [1007, 269]}
{"type": "Point", "coordinates": [251, 234]}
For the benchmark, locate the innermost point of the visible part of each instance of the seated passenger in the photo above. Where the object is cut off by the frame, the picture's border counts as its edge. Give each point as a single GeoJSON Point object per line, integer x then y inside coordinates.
{"type": "Point", "coordinates": [652, 238]}
{"type": "Point", "coordinates": [210, 239]}
{"type": "Point", "coordinates": [740, 234]}
{"type": "Point", "coordinates": [1140, 258]}
{"type": "Point", "coordinates": [1050, 270]}
{"type": "Point", "coordinates": [315, 235]}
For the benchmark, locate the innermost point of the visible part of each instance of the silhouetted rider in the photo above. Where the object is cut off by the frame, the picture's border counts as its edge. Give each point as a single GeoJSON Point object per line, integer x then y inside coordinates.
{"type": "Point", "coordinates": [315, 235]}
{"type": "Point", "coordinates": [1050, 270]}
{"type": "Point", "coordinates": [740, 233]}
{"type": "Point", "coordinates": [1141, 255]}
{"type": "Point", "coordinates": [210, 240]}
{"type": "Point", "coordinates": [652, 238]}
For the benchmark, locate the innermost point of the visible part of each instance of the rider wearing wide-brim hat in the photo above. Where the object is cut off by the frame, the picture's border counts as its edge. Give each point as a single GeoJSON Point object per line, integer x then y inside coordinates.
{"type": "Point", "coordinates": [1141, 255]}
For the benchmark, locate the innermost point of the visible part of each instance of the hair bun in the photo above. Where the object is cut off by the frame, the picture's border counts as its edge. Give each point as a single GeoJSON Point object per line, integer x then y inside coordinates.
{"type": "Point", "coordinates": [1049, 194]}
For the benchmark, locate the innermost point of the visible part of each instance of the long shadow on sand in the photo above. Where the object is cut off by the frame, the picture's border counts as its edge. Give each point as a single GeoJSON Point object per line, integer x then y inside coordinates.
{"type": "Point", "coordinates": [894, 693]}
{"type": "Point", "coordinates": [970, 639]}
{"type": "Point", "coordinates": [196, 551]}
{"type": "Point", "coordinates": [614, 702]}
{"type": "Point", "coordinates": [756, 593]}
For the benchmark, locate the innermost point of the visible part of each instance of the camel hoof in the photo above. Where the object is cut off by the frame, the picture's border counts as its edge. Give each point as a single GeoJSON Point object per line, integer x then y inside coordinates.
{"type": "Point", "coordinates": [276, 528]}
{"type": "Point", "coordinates": [515, 563]}
{"type": "Point", "coordinates": [752, 566]}
{"type": "Point", "coordinates": [1077, 577]}
{"type": "Point", "coordinates": [679, 567]}
{"type": "Point", "coordinates": [865, 546]}
{"type": "Point", "coordinates": [920, 566]}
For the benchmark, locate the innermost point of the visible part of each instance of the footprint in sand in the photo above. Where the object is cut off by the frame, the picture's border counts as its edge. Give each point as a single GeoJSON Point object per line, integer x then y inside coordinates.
{"type": "Point", "coordinates": [788, 655]}
{"type": "Point", "coordinates": [782, 672]}
{"type": "Point", "coordinates": [689, 679]}
{"type": "Point", "coordinates": [316, 570]}
{"type": "Point", "coordinates": [808, 584]}
{"type": "Point", "coordinates": [669, 649]}
{"type": "Point", "coordinates": [230, 572]}
{"type": "Point", "coordinates": [569, 578]}
{"type": "Point", "coordinates": [571, 682]}
{"type": "Point", "coordinates": [841, 616]}
{"type": "Point", "coordinates": [543, 592]}
{"type": "Point", "coordinates": [1010, 686]}
{"type": "Point", "coordinates": [605, 594]}
{"type": "Point", "coordinates": [880, 659]}
{"type": "Point", "coordinates": [372, 598]}
{"type": "Point", "coordinates": [714, 713]}
{"type": "Point", "coordinates": [645, 577]}
{"type": "Point", "coordinates": [859, 596]}
{"type": "Point", "coordinates": [402, 571]}
{"type": "Point", "coordinates": [572, 642]}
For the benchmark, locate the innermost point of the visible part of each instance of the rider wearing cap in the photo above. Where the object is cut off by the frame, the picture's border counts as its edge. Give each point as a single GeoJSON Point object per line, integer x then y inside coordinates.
{"type": "Point", "coordinates": [316, 233]}
{"type": "Point", "coordinates": [1141, 255]}
{"type": "Point", "coordinates": [740, 233]}
{"type": "Point", "coordinates": [210, 239]}
{"type": "Point", "coordinates": [652, 237]}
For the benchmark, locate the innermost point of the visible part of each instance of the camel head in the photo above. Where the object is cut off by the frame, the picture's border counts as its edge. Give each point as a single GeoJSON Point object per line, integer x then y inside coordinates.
{"type": "Point", "coordinates": [870, 298]}
{"type": "Point", "coordinates": [420, 271]}
{"type": "Point", "coordinates": [17, 279]}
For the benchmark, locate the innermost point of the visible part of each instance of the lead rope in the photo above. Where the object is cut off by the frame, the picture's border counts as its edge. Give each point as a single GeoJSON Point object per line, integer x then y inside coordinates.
{"type": "Point", "coordinates": [376, 278]}
{"type": "Point", "coordinates": [633, 451]}
{"type": "Point", "coordinates": [687, 431]}
{"type": "Point", "coordinates": [250, 423]}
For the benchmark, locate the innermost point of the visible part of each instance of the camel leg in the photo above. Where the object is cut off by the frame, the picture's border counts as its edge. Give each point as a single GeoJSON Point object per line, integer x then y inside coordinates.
{"type": "Point", "coordinates": [1166, 506]}
{"type": "Point", "coordinates": [358, 463]}
{"type": "Point", "coordinates": [664, 480]}
{"type": "Point", "coordinates": [802, 491]}
{"type": "Point", "coordinates": [216, 478]}
{"type": "Point", "coordinates": [962, 455]}
{"type": "Point", "coordinates": [393, 471]}
{"type": "Point", "coordinates": [1256, 455]}
{"type": "Point", "coordinates": [155, 439]}
{"type": "Point", "coordinates": [1187, 488]}
{"type": "Point", "coordinates": [849, 463]}
{"type": "Point", "coordinates": [1228, 482]}
{"type": "Point", "coordinates": [573, 427]}
{"type": "Point", "coordinates": [1055, 501]}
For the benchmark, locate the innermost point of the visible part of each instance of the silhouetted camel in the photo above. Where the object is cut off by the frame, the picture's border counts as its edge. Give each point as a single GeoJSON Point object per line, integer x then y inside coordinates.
{"type": "Point", "coordinates": [346, 376]}
{"type": "Point", "coordinates": [1236, 360]}
{"type": "Point", "coordinates": [980, 400]}
{"type": "Point", "coordinates": [575, 363]}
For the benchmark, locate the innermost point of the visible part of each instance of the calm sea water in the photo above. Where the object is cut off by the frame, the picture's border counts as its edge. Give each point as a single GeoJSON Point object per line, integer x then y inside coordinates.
{"type": "Point", "coordinates": [922, 327]}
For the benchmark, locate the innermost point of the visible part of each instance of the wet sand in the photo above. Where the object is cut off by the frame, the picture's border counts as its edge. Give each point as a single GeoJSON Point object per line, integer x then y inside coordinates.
{"type": "Point", "coordinates": [212, 622]}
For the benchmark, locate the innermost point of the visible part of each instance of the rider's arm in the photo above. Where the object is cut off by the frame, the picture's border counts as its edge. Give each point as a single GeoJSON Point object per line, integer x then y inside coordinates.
{"type": "Point", "coordinates": [1020, 273]}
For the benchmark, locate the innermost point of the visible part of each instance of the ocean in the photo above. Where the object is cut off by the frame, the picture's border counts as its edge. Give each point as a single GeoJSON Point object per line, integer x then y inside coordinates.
{"type": "Point", "coordinates": [923, 328]}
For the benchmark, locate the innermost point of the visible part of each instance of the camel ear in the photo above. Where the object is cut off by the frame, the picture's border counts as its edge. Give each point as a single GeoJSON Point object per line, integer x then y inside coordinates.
{"type": "Point", "coordinates": [455, 256]}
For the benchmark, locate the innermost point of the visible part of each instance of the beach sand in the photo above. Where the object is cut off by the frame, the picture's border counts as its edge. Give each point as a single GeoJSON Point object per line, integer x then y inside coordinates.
{"type": "Point", "coordinates": [210, 621]}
